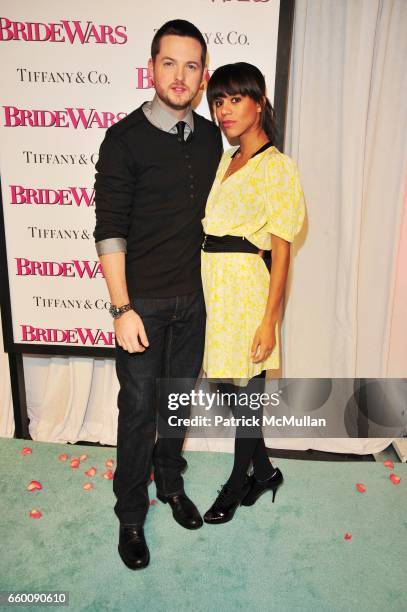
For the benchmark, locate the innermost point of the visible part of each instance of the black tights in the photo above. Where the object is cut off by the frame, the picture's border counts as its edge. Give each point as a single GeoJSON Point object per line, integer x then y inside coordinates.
{"type": "Point", "coordinates": [249, 441]}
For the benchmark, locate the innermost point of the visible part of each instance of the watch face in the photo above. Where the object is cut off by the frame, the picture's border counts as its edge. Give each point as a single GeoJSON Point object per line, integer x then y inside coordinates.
{"type": "Point", "coordinates": [117, 312]}
{"type": "Point", "coordinates": [114, 312]}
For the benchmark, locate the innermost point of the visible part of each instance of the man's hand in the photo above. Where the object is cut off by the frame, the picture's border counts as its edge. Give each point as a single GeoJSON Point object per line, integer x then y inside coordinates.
{"type": "Point", "coordinates": [263, 342]}
{"type": "Point", "coordinates": [130, 332]}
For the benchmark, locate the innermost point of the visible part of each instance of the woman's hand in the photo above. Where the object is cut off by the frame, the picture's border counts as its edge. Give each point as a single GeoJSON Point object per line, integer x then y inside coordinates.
{"type": "Point", "coordinates": [264, 341]}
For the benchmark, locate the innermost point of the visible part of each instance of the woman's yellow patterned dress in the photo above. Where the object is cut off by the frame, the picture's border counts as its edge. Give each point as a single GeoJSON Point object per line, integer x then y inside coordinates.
{"type": "Point", "coordinates": [264, 197]}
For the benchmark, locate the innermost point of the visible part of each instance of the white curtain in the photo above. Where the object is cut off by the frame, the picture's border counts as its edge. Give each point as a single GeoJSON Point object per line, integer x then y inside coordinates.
{"type": "Point", "coordinates": [71, 398]}
{"type": "Point", "coordinates": [346, 129]}
{"type": "Point", "coordinates": [347, 126]}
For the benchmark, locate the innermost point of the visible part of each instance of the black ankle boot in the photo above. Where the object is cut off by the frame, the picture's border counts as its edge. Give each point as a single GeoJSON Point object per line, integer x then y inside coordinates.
{"type": "Point", "coordinates": [257, 488]}
{"type": "Point", "coordinates": [226, 504]}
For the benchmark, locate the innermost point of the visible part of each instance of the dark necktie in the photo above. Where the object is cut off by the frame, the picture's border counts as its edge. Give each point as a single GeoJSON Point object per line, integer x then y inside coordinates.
{"type": "Point", "coordinates": [180, 130]}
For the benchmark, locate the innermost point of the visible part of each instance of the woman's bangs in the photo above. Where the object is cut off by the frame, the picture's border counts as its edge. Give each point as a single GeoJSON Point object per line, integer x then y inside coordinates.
{"type": "Point", "coordinates": [225, 82]}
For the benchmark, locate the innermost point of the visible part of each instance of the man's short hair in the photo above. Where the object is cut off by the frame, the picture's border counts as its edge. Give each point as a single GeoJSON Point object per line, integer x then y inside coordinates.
{"type": "Point", "coordinates": [178, 27]}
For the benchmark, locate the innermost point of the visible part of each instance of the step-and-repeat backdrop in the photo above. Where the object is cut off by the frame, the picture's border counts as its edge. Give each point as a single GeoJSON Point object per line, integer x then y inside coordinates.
{"type": "Point", "coordinates": [69, 71]}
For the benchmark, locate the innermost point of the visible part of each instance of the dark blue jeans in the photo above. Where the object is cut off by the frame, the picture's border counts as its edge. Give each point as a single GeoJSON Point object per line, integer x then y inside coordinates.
{"type": "Point", "coordinates": [175, 329]}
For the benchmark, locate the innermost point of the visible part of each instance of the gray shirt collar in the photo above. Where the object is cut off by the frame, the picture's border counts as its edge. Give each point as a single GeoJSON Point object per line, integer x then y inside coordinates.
{"type": "Point", "coordinates": [163, 119]}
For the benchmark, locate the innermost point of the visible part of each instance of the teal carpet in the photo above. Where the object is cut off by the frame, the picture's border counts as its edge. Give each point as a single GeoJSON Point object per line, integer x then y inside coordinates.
{"type": "Point", "coordinates": [290, 555]}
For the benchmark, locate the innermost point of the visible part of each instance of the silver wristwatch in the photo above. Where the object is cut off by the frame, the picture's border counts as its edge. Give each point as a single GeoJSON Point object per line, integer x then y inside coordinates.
{"type": "Point", "coordinates": [117, 312]}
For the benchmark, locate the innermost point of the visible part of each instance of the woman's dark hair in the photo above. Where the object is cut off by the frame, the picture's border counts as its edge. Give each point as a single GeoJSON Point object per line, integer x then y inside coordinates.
{"type": "Point", "coordinates": [178, 27]}
{"type": "Point", "coordinates": [246, 80]}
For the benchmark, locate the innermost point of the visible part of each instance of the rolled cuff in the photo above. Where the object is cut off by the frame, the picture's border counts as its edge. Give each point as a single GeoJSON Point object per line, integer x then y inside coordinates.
{"type": "Point", "coordinates": [111, 245]}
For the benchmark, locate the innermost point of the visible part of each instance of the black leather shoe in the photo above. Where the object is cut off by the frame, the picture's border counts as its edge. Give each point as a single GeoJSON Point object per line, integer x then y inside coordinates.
{"type": "Point", "coordinates": [258, 488]}
{"type": "Point", "coordinates": [133, 548]}
{"type": "Point", "coordinates": [184, 510]}
{"type": "Point", "coordinates": [225, 505]}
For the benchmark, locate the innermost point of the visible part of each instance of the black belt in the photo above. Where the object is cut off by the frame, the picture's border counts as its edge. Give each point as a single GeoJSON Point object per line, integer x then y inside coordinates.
{"type": "Point", "coordinates": [232, 244]}
{"type": "Point", "coordinates": [228, 244]}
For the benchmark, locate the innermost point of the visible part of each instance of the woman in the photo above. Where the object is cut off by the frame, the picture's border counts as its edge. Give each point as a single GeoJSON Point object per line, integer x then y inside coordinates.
{"type": "Point", "coordinates": [255, 205]}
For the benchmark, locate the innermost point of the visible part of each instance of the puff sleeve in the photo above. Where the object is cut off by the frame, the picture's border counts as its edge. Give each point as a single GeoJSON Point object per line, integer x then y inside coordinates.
{"type": "Point", "coordinates": [285, 206]}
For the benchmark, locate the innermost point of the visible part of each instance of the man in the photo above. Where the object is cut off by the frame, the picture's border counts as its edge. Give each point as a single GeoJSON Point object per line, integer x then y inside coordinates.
{"type": "Point", "coordinates": [154, 173]}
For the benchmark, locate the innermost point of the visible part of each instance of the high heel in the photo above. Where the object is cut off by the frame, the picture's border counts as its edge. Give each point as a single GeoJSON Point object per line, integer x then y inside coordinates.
{"type": "Point", "coordinates": [257, 488]}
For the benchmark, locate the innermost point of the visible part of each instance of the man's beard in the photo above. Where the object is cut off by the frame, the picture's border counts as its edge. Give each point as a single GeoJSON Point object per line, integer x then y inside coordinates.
{"type": "Point", "coordinates": [164, 98]}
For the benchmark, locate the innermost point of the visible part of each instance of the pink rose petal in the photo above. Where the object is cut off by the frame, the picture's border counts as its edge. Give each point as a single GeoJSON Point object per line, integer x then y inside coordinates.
{"type": "Point", "coordinates": [360, 487]}
{"type": "Point", "coordinates": [35, 514]}
{"type": "Point", "coordinates": [109, 463]}
{"type": "Point", "coordinates": [347, 536]}
{"type": "Point", "coordinates": [108, 475]}
{"type": "Point", "coordinates": [26, 450]}
{"type": "Point", "coordinates": [83, 458]}
{"type": "Point", "coordinates": [153, 502]}
{"type": "Point", "coordinates": [34, 485]}
{"type": "Point", "coordinates": [75, 463]}
{"type": "Point", "coordinates": [91, 472]}
{"type": "Point", "coordinates": [395, 479]}
{"type": "Point", "coordinates": [88, 486]}
{"type": "Point", "coordinates": [63, 457]}
{"type": "Point", "coordinates": [389, 464]}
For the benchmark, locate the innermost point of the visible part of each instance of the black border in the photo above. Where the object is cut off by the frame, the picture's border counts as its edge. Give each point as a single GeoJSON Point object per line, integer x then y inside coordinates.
{"type": "Point", "coordinates": [285, 28]}
{"type": "Point", "coordinates": [284, 43]}
{"type": "Point", "coordinates": [55, 349]}
{"type": "Point", "coordinates": [6, 318]}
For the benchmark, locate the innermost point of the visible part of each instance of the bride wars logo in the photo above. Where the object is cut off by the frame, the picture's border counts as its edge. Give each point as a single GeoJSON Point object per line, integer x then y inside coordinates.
{"type": "Point", "coordinates": [64, 31]}
{"type": "Point", "coordinates": [85, 336]}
